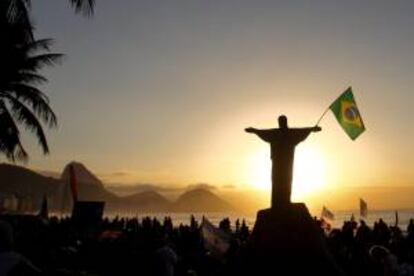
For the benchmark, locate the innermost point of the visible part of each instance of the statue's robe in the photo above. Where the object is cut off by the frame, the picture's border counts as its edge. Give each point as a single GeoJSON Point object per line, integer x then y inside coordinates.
{"type": "Point", "coordinates": [282, 142]}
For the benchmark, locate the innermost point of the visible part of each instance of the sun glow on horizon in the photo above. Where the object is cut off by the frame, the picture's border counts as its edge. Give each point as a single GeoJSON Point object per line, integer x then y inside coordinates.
{"type": "Point", "coordinates": [309, 175]}
{"type": "Point", "coordinates": [259, 170]}
{"type": "Point", "coordinates": [309, 172]}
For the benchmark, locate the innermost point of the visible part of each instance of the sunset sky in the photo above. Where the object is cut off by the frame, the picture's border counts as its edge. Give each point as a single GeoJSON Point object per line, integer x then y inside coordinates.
{"type": "Point", "coordinates": [161, 91]}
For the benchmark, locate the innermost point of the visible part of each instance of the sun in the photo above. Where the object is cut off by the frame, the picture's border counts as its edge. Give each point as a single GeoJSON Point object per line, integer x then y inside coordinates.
{"type": "Point", "coordinates": [308, 171]}
{"type": "Point", "coordinates": [259, 170]}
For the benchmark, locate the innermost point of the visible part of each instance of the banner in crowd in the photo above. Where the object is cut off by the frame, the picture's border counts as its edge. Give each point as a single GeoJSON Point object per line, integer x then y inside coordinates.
{"type": "Point", "coordinates": [327, 214]}
{"type": "Point", "coordinates": [363, 208]}
{"type": "Point", "coordinates": [216, 241]}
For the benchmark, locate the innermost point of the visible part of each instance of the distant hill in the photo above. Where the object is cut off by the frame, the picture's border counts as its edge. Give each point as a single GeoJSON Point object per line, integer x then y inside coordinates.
{"type": "Point", "coordinates": [83, 175]}
{"type": "Point", "coordinates": [21, 181]}
{"type": "Point", "coordinates": [27, 186]}
{"type": "Point", "coordinates": [170, 192]}
{"type": "Point", "coordinates": [25, 183]}
{"type": "Point", "coordinates": [201, 200]}
{"type": "Point", "coordinates": [124, 190]}
{"type": "Point", "coordinates": [148, 201]}
{"type": "Point", "coordinates": [51, 174]}
{"type": "Point", "coordinates": [90, 188]}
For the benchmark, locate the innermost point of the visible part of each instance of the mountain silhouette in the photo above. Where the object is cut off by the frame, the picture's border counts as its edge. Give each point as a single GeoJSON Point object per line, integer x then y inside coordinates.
{"type": "Point", "coordinates": [147, 201]}
{"type": "Point", "coordinates": [122, 189]}
{"type": "Point", "coordinates": [16, 180]}
{"type": "Point", "coordinates": [90, 188]}
{"type": "Point", "coordinates": [201, 200]}
{"type": "Point", "coordinates": [25, 183]}
{"type": "Point", "coordinates": [83, 175]}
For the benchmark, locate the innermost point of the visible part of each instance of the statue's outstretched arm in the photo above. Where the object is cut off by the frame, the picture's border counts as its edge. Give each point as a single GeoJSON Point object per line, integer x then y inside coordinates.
{"type": "Point", "coordinates": [316, 129]}
{"type": "Point", "coordinates": [264, 134]}
{"type": "Point", "coordinates": [250, 129]}
{"type": "Point", "coordinates": [310, 129]}
{"type": "Point", "coordinates": [302, 133]}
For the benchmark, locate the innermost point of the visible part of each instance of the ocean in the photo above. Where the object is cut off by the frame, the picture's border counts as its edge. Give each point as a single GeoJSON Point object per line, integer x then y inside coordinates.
{"type": "Point", "coordinates": [388, 216]}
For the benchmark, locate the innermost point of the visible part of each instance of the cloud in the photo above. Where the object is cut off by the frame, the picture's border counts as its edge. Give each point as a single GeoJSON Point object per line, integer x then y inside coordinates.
{"type": "Point", "coordinates": [116, 176]}
{"type": "Point", "coordinates": [120, 174]}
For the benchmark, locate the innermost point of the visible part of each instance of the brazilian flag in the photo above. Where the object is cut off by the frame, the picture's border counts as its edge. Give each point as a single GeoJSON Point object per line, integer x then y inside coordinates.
{"type": "Point", "coordinates": [347, 114]}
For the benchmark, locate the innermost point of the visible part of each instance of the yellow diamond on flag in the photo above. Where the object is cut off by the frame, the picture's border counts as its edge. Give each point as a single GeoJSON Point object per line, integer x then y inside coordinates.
{"type": "Point", "coordinates": [350, 113]}
{"type": "Point", "coordinates": [347, 114]}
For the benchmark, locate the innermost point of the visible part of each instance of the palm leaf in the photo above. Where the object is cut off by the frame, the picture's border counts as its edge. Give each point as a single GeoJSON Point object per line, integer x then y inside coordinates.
{"type": "Point", "coordinates": [21, 101]}
{"type": "Point", "coordinates": [37, 100]}
{"type": "Point", "coordinates": [25, 116]}
{"type": "Point", "coordinates": [15, 15]}
{"type": "Point", "coordinates": [38, 62]}
{"type": "Point", "coordinates": [37, 45]}
{"type": "Point", "coordinates": [28, 78]}
{"type": "Point", "coordinates": [10, 143]}
{"type": "Point", "coordinates": [84, 6]}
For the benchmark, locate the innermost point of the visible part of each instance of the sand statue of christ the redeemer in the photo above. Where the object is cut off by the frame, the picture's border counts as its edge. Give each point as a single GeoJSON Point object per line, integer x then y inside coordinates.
{"type": "Point", "coordinates": [283, 141]}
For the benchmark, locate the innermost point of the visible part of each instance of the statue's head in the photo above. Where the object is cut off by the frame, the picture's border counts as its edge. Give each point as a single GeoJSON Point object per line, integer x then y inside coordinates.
{"type": "Point", "coordinates": [283, 121]}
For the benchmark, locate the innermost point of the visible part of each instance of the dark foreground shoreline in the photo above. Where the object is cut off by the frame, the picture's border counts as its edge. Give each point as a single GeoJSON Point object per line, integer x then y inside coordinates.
{"type": "Point", "coordinates": [147, 246]}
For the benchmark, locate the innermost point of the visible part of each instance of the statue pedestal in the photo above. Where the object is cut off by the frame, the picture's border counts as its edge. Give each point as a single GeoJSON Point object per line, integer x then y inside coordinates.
{"type": "Point", "coordinates": [287, 240]}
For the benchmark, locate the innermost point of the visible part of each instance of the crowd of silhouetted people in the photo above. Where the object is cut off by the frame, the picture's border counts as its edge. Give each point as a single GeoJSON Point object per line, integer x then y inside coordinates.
{"type": "Point", "coordinates": [378, 250]}
{"type": "Point", "coordinates": [31, 245]}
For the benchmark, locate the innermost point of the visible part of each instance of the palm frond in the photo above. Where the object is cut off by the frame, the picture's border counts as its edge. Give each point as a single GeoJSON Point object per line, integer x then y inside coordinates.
{"type": "Point", "coordinates": [29, 78]}
{"type": "Point", "coordinates": [25, 116]}
{"type": "Point", "coordinates": [39, 61]}
{"type": "Point", "coordinates": [37, 45]}
{"type": "Point", "coordinates": [37, 100]}
{"type": "Point", "coordinates": [86, 7]}
{"type": "Point", "coordinates": [21, 101]}
{"type": "Point", "coordinates": [10, 143]}
{"type": "Point", "coordinates": [17, 16]}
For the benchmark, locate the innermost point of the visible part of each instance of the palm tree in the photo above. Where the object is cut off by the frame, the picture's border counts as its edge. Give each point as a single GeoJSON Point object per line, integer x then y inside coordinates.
{"type": "Point", "coordinates": [17, 7]}
{"type": "Point", "coordinates": [18, 12]}
{"type": "Point", "coordinates": [21, 101]}
{"type": "Point", "coordinates": [84, 6]}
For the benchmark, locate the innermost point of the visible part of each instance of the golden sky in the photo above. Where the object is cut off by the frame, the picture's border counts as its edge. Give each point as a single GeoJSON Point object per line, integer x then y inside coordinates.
{"type": "Point", "coordinates": [160, 92]}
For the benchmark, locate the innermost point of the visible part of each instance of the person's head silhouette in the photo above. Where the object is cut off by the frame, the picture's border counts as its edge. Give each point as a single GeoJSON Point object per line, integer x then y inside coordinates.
{"type": "Point", "coordinates": [6, 236]}
{"type": "Point", "coordinates": [283, 121]}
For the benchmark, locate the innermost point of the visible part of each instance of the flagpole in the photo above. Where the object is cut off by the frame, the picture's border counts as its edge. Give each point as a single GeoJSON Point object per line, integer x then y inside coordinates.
{"type": "Point", "coordinates": [323, 114]}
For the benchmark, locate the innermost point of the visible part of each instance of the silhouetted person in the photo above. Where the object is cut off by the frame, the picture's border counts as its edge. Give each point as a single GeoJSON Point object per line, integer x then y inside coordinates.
{"type": "Point", "coordinates": [225, 225]}
{"type": "Point", "coordinates": [410, 227]}
{"type": "Point", "coordinates": [11, 262]}
{"type": "Point", "coordinates": [382, 232]}
{"type": "Point", "coordinates": [166, 259]}
{"type": "Point", "coordinates": [283, 141]}
{"type": "Point", "coordinates": [363, 233]}
{"type": "Point", "coordinates": [237, 226]}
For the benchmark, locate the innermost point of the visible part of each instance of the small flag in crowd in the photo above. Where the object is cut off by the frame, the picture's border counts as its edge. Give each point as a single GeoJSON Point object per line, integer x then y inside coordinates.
{"type": "Point", "coordinates": [363, 208]}
{"type": "Point", "coordinates": [397, 219]}
{"type": "Point", "coordinates": [44, 211]}
{"type": "Point", "coordinates": [347, 114]}
{"type": "Point", "coordinates": [216, 241]}
{"type": "Point", "coordinates": [326, 214]}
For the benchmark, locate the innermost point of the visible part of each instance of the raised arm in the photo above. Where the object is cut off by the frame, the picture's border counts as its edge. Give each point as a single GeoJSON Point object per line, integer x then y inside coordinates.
{"type": "Point", "coordinates": [301, 134]}
{"type": "Point", "coordinates": [250, 129]}
{"type": "Point", "coordinates": [308, 129]}
{"type": "Point", "coordinates": [316, 129]}
{"type": "Point", "coordinates": [265, 134]}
